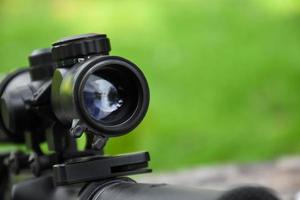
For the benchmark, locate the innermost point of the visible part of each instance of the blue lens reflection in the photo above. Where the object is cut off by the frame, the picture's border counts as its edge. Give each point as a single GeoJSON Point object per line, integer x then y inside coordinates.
{"type": "Point", "coordinates": [100, 97]}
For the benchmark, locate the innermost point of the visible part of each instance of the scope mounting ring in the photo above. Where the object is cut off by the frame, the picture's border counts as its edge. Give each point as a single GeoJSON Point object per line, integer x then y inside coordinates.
{"type": "Point", "coordinates": [95, 168]}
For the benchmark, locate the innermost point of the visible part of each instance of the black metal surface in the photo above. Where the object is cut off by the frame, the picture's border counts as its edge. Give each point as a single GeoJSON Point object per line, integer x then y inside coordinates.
{"type": "Point", "coordinates": [43, 188]}
{"type": "Point", "coordinates": [68, 104]}
{"type": "Point", "coordinates": [67, 50]}
{"type": "Point", "coordinates": [120, 189]}
{"type": "Point", "coordinates": [41, 64]}
{"type": "Point", "coordinates": [127, 189]}
{"type": "Point", "coordinates": [4, 177]}
{"type": "Point", "coordinates": [8, 135]}
{"type": "Point", "coordinates": [249, 193]}
{"type": "Point", "coordinates": [100, 167]}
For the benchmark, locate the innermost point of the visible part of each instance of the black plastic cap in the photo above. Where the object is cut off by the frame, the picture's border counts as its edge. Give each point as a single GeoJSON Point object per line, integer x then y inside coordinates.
{"type": "Point", "coordinates": [80, 46]}
{"type": "Point", "coordinates": [40, 57]}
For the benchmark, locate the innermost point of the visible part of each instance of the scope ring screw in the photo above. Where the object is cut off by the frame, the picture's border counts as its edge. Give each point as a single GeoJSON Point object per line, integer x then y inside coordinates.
{"type": "Point", "coordinates": [99, 142]}
{"type": "Point", "coordinates": [77, 129]}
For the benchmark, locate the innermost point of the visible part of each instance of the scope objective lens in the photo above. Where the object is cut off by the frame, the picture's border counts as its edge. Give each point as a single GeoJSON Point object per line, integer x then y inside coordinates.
{"type": "Point", "coordinates": [101, 97]}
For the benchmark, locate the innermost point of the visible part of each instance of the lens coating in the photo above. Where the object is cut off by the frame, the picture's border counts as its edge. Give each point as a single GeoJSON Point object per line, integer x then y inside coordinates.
{"type": "Point", "coordinates": [101, 98]}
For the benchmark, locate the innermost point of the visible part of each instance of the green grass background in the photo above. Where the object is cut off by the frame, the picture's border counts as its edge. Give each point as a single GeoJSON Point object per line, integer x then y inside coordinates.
{"type": "Point", "coordinates": [224, 74]}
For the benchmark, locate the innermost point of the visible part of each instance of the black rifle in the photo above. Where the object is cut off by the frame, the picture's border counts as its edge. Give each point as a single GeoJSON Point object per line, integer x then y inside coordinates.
{"type": "Point", "coordinates": [72, 90]}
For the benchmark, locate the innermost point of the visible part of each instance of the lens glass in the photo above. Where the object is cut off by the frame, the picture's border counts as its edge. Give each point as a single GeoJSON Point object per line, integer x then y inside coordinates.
{"type": "Point", "coordinates": [101, 97]}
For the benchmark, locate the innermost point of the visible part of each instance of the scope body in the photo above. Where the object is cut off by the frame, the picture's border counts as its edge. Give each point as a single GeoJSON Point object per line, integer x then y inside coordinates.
{"type": "Point", "coordinates": [76, 84]}
{"type": "Point", "coordinates": [125, 188]}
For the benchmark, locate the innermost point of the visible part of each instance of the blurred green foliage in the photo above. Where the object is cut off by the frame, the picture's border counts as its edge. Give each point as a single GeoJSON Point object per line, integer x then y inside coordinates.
{"type": "Point", "coordinates": [224, 74]}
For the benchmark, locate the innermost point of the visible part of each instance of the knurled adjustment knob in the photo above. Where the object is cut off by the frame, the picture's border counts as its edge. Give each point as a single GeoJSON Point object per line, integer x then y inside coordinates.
{"type": "Point", "coordinates": [41, 64]}
{"type": "Point", "coordinates": [40, 57]}
{"type": "Point", "coordinates": [72, 48]}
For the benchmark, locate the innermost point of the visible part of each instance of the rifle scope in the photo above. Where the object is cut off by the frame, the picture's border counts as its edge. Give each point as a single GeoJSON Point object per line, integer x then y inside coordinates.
{"type": "Point", "coordinates": [77, 84]}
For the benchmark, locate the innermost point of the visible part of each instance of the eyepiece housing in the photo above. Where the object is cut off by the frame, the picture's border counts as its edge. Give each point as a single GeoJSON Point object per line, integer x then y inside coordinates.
{"type": "Point", "coordinates": [108, 94]}
{"type": "Point", "coordinates": [76, 83]}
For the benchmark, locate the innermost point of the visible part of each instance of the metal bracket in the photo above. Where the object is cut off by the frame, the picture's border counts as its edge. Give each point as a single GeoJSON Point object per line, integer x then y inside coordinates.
{"type": "Point", "coordinates": [95, 168]}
